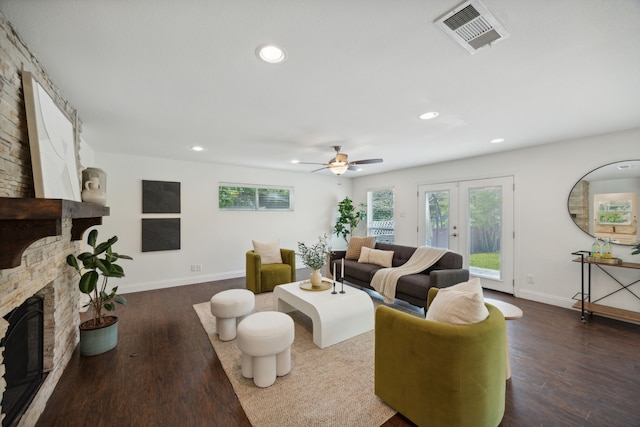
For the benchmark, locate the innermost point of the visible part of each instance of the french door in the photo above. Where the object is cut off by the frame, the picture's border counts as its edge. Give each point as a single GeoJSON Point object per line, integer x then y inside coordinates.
{"type": "Point", "coordinates": [475, 219]}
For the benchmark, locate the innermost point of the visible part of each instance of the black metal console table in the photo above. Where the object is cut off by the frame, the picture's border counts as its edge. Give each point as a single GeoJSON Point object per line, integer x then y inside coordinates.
{"type": "Point", "coordinates": [586, 305]}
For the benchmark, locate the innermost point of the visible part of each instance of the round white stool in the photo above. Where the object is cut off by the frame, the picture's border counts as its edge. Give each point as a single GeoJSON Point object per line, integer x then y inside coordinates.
{"type": "Point", "coordinates": [265, 340]}
{"type": "Point", "coordinates": [229, 307]}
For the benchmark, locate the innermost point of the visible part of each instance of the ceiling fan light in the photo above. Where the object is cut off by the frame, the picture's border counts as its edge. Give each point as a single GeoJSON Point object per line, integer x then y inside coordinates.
{"type": "Point", "coordinates": [338, 169]}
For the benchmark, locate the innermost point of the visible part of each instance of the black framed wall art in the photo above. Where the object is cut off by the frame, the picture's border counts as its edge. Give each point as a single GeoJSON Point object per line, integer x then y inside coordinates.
{"type": "Point", "coordinates": [160, 197]}
{"type": "Point", "coordinates": [160, 234]}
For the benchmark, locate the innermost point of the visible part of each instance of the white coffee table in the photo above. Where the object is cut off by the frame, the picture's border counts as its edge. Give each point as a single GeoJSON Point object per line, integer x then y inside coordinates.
{"type": "Point", "coordinates": [335, 317]}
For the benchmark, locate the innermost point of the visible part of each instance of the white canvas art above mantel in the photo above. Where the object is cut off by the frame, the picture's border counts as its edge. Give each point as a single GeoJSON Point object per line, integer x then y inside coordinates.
{"type": "Point", "coordinates": [51, 140]}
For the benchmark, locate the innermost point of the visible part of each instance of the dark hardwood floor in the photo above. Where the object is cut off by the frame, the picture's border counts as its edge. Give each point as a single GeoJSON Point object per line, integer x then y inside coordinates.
{"type": "Point", "coordinates": [164, 371]}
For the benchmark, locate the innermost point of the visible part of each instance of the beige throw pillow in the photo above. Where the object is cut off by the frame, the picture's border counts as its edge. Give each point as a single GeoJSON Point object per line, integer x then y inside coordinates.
{"type": "Point", "coordinates": [269, 251]}
{"type": "Point", "coordinates": [461, 304]}
{"type": "Point", "coordinates": [376, 256]}
{"type": "Point", "coordinates": [356, 244]}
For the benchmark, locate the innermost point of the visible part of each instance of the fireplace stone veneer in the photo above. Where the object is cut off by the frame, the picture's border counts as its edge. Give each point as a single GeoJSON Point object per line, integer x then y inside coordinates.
{"type": "Point", "coordinates": [26, 222]}
{"type": "Point", "coordinates": [43, 271]}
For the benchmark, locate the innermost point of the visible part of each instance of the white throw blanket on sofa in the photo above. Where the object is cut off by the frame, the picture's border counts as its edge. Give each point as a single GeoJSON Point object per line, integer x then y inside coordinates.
{"type": "Point", "coordinates": [385, 280]}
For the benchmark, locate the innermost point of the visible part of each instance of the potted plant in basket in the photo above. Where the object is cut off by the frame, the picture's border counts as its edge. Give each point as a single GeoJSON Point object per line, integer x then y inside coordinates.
{"type": "Point", "coordinates": [349, 218]}
{"type": "Point", "coordinates": [314, 257]}
{"type": "Point", "coordinates": [100, 333]}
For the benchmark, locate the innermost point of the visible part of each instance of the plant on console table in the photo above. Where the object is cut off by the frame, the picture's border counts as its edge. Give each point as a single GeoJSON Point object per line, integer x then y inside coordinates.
{"type": "Point", "coordinates": [100, 333]}
{"type": "Point", "coordinates": [314, 257]}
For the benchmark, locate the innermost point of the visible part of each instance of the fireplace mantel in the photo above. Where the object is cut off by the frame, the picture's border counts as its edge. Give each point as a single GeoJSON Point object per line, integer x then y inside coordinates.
{"type": "Point", "coordinates": [25, 220]}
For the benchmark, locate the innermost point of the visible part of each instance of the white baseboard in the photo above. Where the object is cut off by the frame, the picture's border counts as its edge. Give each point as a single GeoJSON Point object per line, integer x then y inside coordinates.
{"type": "Point", "coordinates": [545, 298]}
{"type": "Point", "coordinates": [190, 280]}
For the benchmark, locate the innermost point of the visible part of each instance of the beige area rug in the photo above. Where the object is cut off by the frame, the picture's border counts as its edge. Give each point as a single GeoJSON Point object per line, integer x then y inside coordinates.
{"type": "Point", "coordinates": [326, 387]}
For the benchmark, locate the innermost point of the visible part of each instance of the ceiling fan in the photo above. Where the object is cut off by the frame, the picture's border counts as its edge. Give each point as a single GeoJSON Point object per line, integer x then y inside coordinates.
{"type": "Point", "coordinates": [340, 163]}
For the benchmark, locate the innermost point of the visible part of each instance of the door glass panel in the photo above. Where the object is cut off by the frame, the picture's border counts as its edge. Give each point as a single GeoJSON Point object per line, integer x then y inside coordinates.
{"type": "Point", "coordinates": [437, 219]}
{"type": "Point", "coordinates": [485, 231]}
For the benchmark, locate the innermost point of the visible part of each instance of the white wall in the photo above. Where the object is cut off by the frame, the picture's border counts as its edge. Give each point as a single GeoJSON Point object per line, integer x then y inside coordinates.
{"type": "Point", "coordinates": [545, 234]}
{"type": "Point", "coordinates": [216, 239]}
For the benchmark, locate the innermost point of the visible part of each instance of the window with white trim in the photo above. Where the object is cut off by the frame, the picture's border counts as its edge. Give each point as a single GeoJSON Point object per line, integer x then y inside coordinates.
{"type": "Point", "coordinates": [244, 197]}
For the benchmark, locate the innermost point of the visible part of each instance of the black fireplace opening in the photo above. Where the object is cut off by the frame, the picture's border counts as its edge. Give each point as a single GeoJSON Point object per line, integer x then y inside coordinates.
{"type": "Point", "coordinates": [23, 358]}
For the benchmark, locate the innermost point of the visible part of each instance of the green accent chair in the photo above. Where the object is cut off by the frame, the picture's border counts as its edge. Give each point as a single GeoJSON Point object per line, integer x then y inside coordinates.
{"type": "Point", "coordinates": [263, 278]}
{"type": "Point", "coordinates": [437, 374]}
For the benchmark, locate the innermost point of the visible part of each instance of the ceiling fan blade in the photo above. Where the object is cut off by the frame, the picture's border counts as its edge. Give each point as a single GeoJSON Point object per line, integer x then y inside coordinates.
{"type": "Point", "coordinates": [316, 170]}
{"type": "Point", "coordinates": [311, 163]}
{"type": "Point", "coordinates": [365, 162]}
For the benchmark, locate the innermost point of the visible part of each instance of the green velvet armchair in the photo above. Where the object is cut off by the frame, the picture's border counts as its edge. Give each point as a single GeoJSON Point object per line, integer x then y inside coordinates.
{"type": "Point", "coordinates": [437, 374]}
{"type": "Point", "coordinates": [263, 278]}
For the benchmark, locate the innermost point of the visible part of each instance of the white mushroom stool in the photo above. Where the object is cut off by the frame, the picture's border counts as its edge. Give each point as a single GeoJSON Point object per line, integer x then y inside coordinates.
{"type": "Point", "coordinates": [265, 340]}
{"type": "Point", "coordinates": [229, 307]}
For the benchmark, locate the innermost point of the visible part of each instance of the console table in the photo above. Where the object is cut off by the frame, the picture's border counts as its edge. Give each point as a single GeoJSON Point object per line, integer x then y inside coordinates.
{"type": "Point", "coordinates": [585, 304]}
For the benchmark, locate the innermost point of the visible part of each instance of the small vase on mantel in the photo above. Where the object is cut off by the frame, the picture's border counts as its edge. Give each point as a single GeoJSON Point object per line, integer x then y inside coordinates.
{"type": "Point", "coordinates": [315, 278]}
{"type": "Point", "coordinates": [92, 193]}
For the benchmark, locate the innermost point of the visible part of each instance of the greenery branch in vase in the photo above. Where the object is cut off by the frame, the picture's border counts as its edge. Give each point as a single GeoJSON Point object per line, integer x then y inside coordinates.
{"type": "Point", "coordinates": [101, 261]}
{"type": "Point", "coordinates": [349, 218]}
{"type": "Point", "coordinates": [314, 257]}
{"type": "Point", "coordinates": [636, 249]}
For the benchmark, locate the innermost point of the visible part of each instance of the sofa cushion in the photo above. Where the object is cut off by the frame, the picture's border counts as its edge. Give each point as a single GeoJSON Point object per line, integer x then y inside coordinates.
{"type": "Point", "coordinates": [356, 244]}
{"type": "Point", "coordinates": [415, 285]}
{"type": "Point", "coordinates": [449, 260]}
{"type": "Point", "coordinates": [376, 256]}
{"type": "Point", "coordinates": [461, 304]}
{"type": "Point", "coordinates": [360, 271]}
{"type": "Point", "coordinates": [401, 254]}
{"type": "Point", "coordinates": [269, 251]}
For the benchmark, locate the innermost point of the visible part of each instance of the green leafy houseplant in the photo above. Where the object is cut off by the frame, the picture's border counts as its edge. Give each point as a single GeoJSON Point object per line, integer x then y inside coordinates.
{"type": "Point", "coordinates": [314, 256]}
{"type": "Point", "coordinates": [349, 218]}
{"type": "Point", "coordinates": [636, 249]}
{"type": "Point", "coordinates": [100, 262]}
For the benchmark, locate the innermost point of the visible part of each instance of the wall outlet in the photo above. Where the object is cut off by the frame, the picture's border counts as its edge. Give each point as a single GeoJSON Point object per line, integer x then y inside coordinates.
{"type": "Point", "coordinates": [530, 279]}
{"type": "Point", "coordinates": [196, 267]}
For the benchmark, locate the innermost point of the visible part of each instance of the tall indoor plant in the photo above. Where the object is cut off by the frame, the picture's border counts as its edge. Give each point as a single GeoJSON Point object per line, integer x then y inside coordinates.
{"type": "Point", "coordinates": [314, 257]}
{"type": "Point", "coordinates": [349, 218]}
{"type": "Point", "coordinates": [100, 333]}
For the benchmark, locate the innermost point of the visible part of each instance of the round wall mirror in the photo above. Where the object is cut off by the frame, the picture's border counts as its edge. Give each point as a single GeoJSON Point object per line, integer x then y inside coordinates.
{"type": "Point", "coordinates": [604, 202]}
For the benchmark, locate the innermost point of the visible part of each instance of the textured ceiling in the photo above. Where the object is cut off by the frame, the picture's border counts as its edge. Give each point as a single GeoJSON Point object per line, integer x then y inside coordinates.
{"type": "Point", "coordinates": [154, 77]}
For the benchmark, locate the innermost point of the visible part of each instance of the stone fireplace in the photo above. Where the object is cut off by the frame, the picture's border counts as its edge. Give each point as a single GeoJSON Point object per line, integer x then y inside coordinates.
{"type": "Point", "coordinates": [36, 234]}
{"type": "Point", "coordinates": [42, 272]}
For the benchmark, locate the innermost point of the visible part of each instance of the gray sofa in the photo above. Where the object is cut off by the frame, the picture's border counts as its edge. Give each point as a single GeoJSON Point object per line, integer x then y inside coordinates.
{"type": "Point", "coordinates": [412, 288]}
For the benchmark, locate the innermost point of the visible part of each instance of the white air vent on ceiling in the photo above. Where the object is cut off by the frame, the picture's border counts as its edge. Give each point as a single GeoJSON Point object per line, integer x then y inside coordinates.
{"type": "Point", "coordinates": [472, 26]}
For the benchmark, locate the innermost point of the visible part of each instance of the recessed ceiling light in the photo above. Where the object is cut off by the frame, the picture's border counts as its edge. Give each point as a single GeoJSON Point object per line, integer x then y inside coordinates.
{"type": "Point", "coordinates": [295, 161]}
{"type": "Point", "coordinates": [197, 148]}
{"type": "Point", "coordinates": [428, 116]}
{"type": "Point", "coordinates": [497, 140]}
{"type": "Point", "coordinates": [271, 53]}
